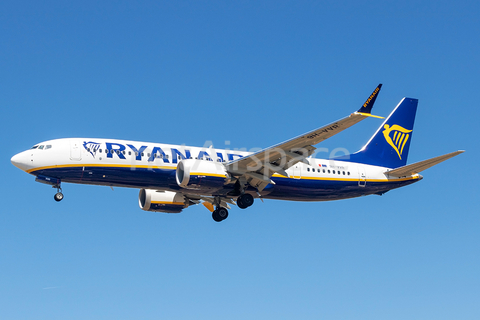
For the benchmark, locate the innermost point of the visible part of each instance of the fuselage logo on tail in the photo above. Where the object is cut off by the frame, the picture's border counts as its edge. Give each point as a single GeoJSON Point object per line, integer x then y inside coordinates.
{"type": "Point", "coordinates": [399, 138]}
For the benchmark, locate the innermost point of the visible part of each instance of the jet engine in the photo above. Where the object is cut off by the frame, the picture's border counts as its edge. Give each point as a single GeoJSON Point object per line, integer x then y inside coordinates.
{"type": "Point", "coordinates": [162, 201]}
{"type": "Point", "coordinates": [201, 175]}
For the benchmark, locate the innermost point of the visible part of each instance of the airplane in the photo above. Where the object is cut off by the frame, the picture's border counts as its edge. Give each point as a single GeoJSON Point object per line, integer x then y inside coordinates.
{"type": "Point", "coordinates": [174, 177]}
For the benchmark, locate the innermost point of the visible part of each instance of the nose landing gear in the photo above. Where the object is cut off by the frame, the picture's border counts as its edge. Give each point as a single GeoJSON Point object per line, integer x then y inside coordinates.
{"type": "Point", "coordinates": [55, 183]}
{"type": "Point", "coordinates": [59, 195]}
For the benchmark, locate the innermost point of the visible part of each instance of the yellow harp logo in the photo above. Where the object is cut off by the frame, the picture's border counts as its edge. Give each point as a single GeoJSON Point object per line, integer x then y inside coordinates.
{"type": "Point", "coordinates": [398, 139]}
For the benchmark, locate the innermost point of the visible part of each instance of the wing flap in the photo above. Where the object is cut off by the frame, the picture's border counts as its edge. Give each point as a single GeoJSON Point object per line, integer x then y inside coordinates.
{"type": "Point", "coordinates": [418, 167]}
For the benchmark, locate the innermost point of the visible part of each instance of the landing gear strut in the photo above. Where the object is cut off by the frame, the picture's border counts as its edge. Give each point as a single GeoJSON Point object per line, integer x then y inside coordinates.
{"type": "Point", "coordinates": [59, 195]}
{"type": "Point", "coordinates": [244, 201]}
{"type": "Point", "coordinates": [220, 213]}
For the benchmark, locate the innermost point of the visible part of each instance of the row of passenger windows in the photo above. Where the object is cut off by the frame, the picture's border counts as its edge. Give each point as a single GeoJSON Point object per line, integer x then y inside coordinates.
{"type": "Point", "coordinates": [328, 171]}
{"type": "Point", "coordinates": [157, 155]}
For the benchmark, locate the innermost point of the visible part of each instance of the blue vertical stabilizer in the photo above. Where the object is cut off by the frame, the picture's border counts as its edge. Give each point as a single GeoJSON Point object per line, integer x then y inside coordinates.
{"type": "Point", "coordinates": [389, 146]}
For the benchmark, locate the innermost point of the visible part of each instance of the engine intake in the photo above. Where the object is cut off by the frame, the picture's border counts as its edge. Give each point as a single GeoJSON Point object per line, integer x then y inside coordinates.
{"type": "Point", "coordinates": [201, 175]}
{"type": "Point", "coordinates": [161, 201]}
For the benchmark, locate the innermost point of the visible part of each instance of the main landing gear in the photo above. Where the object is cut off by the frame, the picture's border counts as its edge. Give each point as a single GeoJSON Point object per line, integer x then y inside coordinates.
{"type": "Point", "coordinates": [244, 201]}
{"type": "Point", "coordinates": [220, 214]}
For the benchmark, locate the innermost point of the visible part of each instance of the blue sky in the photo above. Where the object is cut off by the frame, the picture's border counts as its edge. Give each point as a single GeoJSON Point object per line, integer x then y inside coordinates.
{"type": "Point", "coordinates": [255, 74]}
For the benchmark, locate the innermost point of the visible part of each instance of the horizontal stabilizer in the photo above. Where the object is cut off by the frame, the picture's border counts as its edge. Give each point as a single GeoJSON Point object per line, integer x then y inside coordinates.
{"type": "Point", "coordinates": [418, 167]}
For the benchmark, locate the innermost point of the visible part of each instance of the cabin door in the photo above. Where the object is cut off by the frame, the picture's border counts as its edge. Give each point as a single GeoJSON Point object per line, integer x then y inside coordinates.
{"type": "Point", "coordinates": [75, 150]}
{"type": "Point", "coordinates": [297, 171]}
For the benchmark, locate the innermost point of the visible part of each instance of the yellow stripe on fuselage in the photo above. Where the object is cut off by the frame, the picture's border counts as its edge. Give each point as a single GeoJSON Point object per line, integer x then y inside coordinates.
{"type": "Point", "coordinates": [100, 165]}
{"type": "Point", "coordinates": [276, 175]}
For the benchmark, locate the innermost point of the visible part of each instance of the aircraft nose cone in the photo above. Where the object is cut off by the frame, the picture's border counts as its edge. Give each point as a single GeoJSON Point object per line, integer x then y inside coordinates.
{"type": "Point", "coordinates": [15, 160]}
{"type": "Point", "coordinates": [20, 160]}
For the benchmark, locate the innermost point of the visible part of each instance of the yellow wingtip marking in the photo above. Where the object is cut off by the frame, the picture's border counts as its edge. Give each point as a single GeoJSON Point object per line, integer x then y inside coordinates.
{"type": "Point", "coordinates": [369, 115]}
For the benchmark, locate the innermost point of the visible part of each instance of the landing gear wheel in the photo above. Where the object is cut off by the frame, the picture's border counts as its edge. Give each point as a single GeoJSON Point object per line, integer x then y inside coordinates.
{"type": "Point", "coordinates": [240, 203]}
{"type": "Point", "coordinates": [220, 214]}
{"type": "Point", "coordinates": [215, 216]}
{"type": "Point", "coordinates": [245, 201]}
{"type": "Point", "coordinates": [58, 196]}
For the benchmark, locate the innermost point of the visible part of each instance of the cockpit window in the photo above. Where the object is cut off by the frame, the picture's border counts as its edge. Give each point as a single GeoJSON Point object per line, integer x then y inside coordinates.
{"type": "Point", "coordinates": [48, 146]}
{"type": "Point", "coordinates": [35, 147]}
{"type": "Point", "coordinates": [41, 147]}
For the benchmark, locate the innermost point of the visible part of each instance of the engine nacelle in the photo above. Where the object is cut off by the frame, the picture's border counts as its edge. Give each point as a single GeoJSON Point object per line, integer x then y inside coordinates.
{"type": "Point", "coordinates": [161, 201]}
{"type": "Point", "coordinates": [201, 175]}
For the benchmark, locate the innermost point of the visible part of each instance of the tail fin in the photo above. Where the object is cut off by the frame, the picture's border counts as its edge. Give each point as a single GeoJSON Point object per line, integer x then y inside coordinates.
{"type": "Point", "coordinates": [389, 146]}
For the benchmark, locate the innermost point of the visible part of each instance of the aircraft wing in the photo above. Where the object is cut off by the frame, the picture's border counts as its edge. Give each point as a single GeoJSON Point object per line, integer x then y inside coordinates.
{"type": "Point", "coordinates": [418, 167]}
{"type": "Point", "coordinates": [257, 168]}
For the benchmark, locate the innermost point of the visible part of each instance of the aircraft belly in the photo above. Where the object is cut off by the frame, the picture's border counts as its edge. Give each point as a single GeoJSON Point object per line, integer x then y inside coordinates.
{"type": "Point", "coordinates": [118, 176]}
{"type": "Point", "coordinates": [284, 188]}
{"type": "Point", "coordinates": [326, 190]}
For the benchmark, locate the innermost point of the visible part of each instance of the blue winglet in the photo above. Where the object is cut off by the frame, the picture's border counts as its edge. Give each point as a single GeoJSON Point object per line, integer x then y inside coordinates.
{"type": "Point", "coordinates": [367, 106]}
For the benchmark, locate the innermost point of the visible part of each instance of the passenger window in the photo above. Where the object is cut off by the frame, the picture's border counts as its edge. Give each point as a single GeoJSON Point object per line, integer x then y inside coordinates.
{"type": "Point", "coordinates": [333, 171]}
{"type": "Point", "coordinates": [99, 150]}
{"type": "Point", "coordinates": [328, 171]}
{"type": "Point", "coordinates": [323, 170]}
{"type": "Point", "coordinates": [148, 154]}
{"type": "Point", "coordinates": [343, 172]}
{"type": "Point", "coordinates": [348, 173]}
{"type": "Point", "coordinates": [308, 169]}
{"type": "Point", "coordinates": [142, 154]}
{"type": "Point", "coordinates": [129, 153]}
